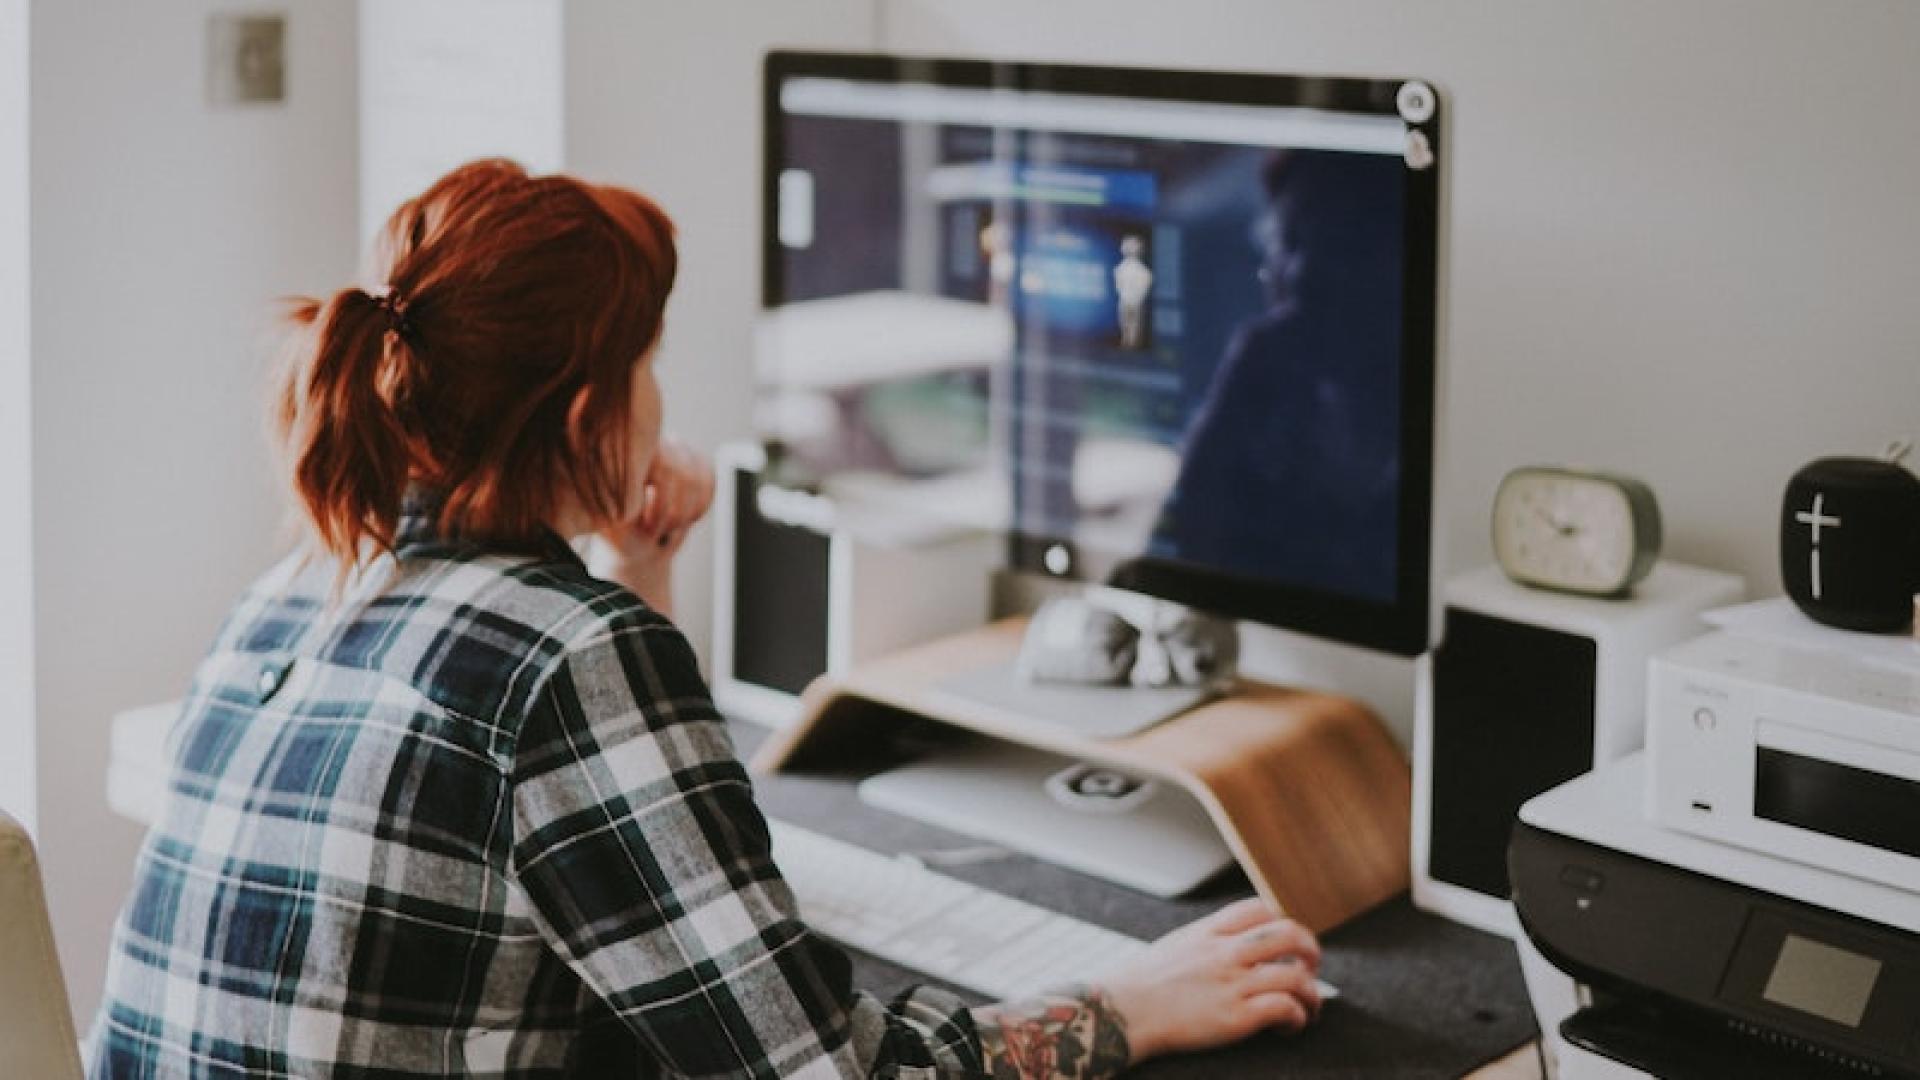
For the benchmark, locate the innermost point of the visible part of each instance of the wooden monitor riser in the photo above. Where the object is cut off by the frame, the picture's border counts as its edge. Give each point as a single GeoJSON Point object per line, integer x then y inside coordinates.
{"type": "Point", "coordinates": [1309, 791]}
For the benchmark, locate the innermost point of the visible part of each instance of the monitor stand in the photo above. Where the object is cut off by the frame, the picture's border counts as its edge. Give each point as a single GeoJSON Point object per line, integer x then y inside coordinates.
{"type": "Point", "coordinates": [1095, 712]}
{"type": "Point", "coordinates": [1112, 823]}
{"type": "Point", "coordinates": [1096, 818]}
{"type": "Point", "coordinates": [1105, 664]}
{"type": "Point", "coordinates": [1307, 790]}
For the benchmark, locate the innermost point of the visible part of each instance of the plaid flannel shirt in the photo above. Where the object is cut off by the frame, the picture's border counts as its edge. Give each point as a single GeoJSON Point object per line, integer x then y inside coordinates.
{"type": "Point", "coordinates": [478, 817]}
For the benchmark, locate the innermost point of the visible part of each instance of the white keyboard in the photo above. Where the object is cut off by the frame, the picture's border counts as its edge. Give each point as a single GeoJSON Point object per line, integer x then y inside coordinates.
{"type": "Point", "coordinates": [900, 911]}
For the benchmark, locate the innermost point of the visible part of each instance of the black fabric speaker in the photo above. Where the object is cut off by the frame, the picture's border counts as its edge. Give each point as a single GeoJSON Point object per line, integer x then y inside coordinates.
{"type": "Point", "coordinates": [779, 598]}
{"type": "Point", "coordinates": [1513, 715]}
{"type": "Point", "coordinates": [1850, 543]}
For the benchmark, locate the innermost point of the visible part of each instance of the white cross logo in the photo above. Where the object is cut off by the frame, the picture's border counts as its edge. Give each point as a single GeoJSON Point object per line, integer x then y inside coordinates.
{"type": "Point", "coordinates": [1816, 519]}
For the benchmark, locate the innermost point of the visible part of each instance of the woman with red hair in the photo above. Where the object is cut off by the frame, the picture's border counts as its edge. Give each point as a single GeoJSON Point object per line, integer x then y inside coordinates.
{"type": "Point", "coordinates": [443, 803]}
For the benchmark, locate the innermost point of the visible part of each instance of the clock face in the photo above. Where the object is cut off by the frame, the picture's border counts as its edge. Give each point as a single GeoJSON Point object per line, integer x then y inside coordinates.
{"type": "Point", "coordinates": [1581, 532]}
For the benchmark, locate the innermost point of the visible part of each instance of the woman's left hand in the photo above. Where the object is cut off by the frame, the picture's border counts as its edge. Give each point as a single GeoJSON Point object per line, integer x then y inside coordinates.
{"type": "Point", "coordinates": [679, 491]}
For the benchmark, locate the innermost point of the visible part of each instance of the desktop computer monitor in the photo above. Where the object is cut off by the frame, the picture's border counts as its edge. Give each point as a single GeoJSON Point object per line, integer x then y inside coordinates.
{"type": "Point", "coordinates": [1170, 331]}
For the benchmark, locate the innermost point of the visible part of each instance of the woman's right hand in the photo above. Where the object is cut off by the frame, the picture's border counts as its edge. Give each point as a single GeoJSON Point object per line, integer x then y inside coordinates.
{"type": "Point", "coordinates": [678, 491]}
{"type": "Point", "coordinates": [1218, 980]}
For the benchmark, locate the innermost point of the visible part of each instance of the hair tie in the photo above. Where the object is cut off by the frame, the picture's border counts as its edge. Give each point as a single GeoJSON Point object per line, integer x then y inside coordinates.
{"type": "Point", "coordinates": [394, 306]}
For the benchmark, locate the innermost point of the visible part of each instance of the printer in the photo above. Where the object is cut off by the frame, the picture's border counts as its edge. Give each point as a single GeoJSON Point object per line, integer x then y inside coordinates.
{"type": "Point", "coordinates": [1743, 898]}
{"type": "Point", "coordinates": [1697, 958]}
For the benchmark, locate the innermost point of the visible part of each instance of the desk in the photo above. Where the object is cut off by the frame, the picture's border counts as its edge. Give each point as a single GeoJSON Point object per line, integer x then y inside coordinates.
{"type": "Point", "coordinates": [1424, 999]}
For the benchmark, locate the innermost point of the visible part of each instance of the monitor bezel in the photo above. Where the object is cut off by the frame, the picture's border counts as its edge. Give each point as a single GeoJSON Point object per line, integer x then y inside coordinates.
{"type": "Point", "coordinates": [1404, 627]}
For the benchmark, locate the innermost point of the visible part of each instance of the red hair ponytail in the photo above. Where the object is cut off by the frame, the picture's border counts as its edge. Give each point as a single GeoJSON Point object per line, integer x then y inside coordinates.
{"type": "Point", "coordinates": [495, 369]}
{"type": "Point", "coordinates": [351, 453]}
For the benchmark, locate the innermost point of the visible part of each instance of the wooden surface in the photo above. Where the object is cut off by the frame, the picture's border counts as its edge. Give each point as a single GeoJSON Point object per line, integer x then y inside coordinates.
{"type": "Point", "coordinates": [1308, 790]}
{"type": "Point", "coordinates": [1522, 1064]}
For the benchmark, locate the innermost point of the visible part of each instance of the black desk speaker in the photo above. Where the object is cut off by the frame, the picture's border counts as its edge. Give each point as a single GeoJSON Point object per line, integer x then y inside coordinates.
{"type": "Point", "coordinates": [1850, 543]}
{"type": "Point", "coordinates": [1529, 689]}
{"type": "Point", "coordinates": [797, 597]}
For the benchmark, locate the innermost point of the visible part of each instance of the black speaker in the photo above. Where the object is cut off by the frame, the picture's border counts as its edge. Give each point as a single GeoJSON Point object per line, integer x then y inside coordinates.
{"type": "Point", "coordinates": [778, 616]}
{"type": "Point", "coordinates": [1527, 690]}
{"type": "Point", "coordinates": [1850, 542]}
{"type": "Point", "coordinates": [797, 596]}
{"type": "Point", "coordinates": [1510, 730]}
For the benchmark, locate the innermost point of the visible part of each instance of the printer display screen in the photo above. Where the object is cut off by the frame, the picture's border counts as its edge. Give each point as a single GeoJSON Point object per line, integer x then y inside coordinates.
{"type": "Point", "coordinates": [1817, 978]}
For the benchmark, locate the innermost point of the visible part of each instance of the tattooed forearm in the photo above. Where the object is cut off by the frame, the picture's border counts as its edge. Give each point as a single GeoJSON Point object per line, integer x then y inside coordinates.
{"type": "Point", "coordinates": [1075, 1034]}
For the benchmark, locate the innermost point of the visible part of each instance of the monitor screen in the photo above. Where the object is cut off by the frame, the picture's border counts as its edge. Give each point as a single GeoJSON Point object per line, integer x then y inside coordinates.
{"type": "Point", "coordinates": [1172, 331]}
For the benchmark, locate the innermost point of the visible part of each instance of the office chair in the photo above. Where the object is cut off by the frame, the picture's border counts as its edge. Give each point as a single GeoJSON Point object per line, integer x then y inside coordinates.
{"type": "Point", "coordinates": [36, 1024]}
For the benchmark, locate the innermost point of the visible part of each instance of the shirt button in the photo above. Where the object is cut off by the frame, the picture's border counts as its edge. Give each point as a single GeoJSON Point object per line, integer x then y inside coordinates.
{"type": "Point", "coordinates": [273, 675]}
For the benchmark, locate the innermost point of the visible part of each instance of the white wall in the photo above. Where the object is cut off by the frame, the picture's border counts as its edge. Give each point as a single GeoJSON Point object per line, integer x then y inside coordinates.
{"type": "Point", "coordinates": [16, 470]}
{"type": "Point", "coordinates": [665, 97]}
{"type": "Point", "coordinates": [443, 82]}
{"type": "Point", "coordinates": [163, 232]}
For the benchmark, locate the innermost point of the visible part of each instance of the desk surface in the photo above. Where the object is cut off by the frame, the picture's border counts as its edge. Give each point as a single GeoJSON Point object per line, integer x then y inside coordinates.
{"type": "Point", "coordinates": [1421, 997]}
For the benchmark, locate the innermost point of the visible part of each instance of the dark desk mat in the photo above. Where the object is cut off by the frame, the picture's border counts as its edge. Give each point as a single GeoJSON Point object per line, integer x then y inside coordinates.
{"type": "Point", "coordinates": [1421, 998]}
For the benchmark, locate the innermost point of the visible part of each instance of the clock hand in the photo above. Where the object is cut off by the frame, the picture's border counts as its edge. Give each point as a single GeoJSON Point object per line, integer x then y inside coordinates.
{"type": "Point", "coordinates": [1562, 529]}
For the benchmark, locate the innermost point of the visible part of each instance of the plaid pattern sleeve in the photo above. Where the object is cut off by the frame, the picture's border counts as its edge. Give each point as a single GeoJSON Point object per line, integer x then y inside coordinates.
{"type": "Point", "coordinates": [637, 839]}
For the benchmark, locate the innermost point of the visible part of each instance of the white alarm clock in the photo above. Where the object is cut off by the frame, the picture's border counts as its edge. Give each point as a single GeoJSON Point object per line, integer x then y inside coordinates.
{"type": "Point", "coordinates": [1592, 533]}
